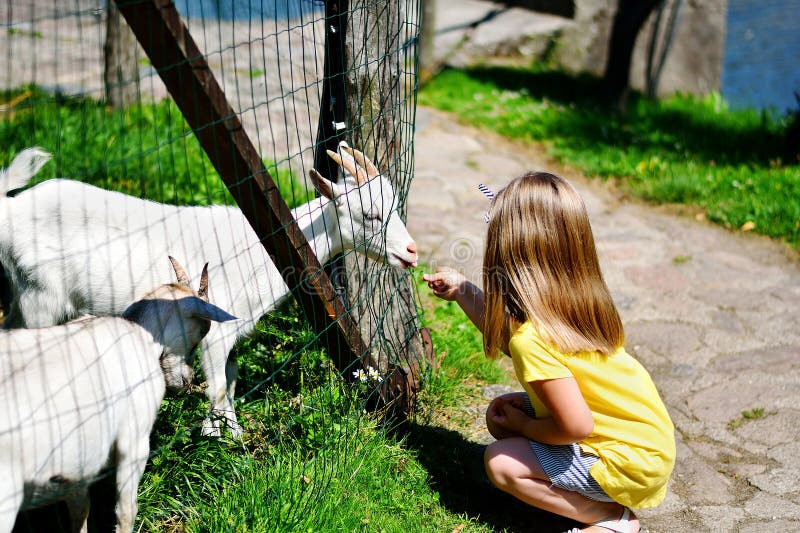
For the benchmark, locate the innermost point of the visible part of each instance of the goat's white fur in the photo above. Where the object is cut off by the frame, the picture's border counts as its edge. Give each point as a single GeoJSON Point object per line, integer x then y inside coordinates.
{"type": "Point", "coordinates": [70, 248]}
{"type": "Point", "coordinates": [84, 395]}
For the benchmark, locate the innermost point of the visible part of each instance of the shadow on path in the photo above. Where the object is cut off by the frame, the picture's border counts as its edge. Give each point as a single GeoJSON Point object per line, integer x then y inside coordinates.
{"type": "Point", "coordinates": [456, 468]}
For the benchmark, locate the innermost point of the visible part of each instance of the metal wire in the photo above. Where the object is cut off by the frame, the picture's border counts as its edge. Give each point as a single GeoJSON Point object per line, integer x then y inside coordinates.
{"type": "Point", "coordinates": [269, 58]}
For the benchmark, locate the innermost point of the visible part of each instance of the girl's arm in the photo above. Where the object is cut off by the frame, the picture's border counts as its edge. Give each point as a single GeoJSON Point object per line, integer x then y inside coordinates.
{"type": "Point", "coordinates": [449, 284]}
{"type": "Point", "coordinates": [570, 418]}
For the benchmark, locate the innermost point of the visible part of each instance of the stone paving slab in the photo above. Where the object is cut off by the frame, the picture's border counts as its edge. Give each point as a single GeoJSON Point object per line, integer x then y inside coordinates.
{"type": "Point", "coordinates": [472, 30]}
{"type": "Point", "coordinates": [711, 313]}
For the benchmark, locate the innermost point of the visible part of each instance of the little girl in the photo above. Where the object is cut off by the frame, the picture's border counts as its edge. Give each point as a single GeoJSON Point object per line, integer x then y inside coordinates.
{"type": "Point", "coordinates": [590, 437]}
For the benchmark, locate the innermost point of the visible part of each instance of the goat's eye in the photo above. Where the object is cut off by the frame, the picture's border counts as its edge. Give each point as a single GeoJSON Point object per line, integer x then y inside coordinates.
{"type": "Point", "coordinates": [372, 217]}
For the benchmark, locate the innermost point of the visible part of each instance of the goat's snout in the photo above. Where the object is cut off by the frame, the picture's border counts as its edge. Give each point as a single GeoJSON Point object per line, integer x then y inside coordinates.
{"type": "Point", "coordinates": [178, 374]}
{"type": "Point", "coordinates": [188, 376]}
{"type": "Point", "coordinates": [405, 259]}
{"type": "Point", "coordinates": [412, 255]}
{"type": "Point", "coordinates": [181, 380]}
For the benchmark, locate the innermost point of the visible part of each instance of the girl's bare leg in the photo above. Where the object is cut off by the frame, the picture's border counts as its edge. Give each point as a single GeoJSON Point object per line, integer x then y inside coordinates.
{"type": "Point", "coordinates": [514, 468]}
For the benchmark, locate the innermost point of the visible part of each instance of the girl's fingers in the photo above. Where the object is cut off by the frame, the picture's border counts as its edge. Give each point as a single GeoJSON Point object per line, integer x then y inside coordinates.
{"type": "Point", "coordinates": [432, 278]}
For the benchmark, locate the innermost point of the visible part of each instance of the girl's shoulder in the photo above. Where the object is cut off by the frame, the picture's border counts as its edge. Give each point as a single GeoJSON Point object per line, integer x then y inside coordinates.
{"type": "Point", "coordinates": [527, 338]}
{"type": "Point", "coordinates": [525, 331]}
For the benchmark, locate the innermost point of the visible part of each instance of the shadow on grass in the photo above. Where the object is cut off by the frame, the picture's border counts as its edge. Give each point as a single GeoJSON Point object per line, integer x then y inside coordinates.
{"type": "Point", "coordinates": [456, 467]}
{"type": "Point", "coordinates": [54, 518]}
{"type": "Point", "coordinates": [594, 120]}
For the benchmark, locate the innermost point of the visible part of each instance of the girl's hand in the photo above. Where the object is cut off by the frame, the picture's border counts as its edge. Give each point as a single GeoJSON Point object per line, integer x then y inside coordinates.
{"type": "Point", "coordinates": [510, 417]}
{"type": "Point", "coordinates": [446, 283]}
{"type": "Point", "coordinates": [515, 399]}
{"type": "Point", "coordinates": [449, 284]}
{"type": "Point", "coordinates": [506, 415]}
{"type": "Point", "coordinates": [570, 419]}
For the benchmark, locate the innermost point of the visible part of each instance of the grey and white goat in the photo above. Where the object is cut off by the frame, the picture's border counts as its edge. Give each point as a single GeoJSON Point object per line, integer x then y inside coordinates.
{"type": "Point", "coordinates": [69, 248]}
{"type": "Point", "coordinates": [83, 396]}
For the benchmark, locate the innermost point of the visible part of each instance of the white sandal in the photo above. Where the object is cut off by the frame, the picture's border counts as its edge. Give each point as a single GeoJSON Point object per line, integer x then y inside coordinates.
{"type": "Point", "coordinates": [621, 525]}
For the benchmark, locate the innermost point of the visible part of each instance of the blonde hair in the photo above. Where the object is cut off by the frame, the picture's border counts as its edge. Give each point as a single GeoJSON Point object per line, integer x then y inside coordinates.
{"type": "Point", "coordinates": [540, 265]}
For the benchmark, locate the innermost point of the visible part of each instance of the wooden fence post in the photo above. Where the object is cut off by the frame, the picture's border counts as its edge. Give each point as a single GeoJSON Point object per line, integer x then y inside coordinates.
{"type": "Point", "coordinates": [198, 95]}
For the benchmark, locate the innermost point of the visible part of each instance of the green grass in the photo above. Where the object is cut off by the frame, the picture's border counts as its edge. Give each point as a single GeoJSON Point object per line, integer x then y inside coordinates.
{"type": "Point", "coordinates": [255, 73]}
{"type": "Point", "coordinates": [750, 414]}
{"type": "Point", "coordinates": [693, 151]}
{"type": "Point", "coordinates": [464, 368]}
{"type": "Point", "coordinates": [25, 33]}
{"type": "Point", "coordinates": [146, 150]}
{"type": "Point", "coordinates": [312, 458]}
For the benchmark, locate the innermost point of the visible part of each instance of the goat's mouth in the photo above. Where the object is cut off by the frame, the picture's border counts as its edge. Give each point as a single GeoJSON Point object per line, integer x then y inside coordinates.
{"type": "Point", "coordinates": [178, 372]}
{"type": "Point", "coordinates": [403, 263]}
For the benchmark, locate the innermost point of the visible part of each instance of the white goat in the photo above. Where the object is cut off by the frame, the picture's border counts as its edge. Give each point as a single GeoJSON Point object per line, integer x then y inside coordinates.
{"type": "Point", "coordinates": [70, 248]}
{"type": "Point", "coordinates": [84, 395]}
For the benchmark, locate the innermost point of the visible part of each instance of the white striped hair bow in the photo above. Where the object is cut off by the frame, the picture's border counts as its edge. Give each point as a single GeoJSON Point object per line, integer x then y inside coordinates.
{"type": "Point", "coordinates": [489, 194]}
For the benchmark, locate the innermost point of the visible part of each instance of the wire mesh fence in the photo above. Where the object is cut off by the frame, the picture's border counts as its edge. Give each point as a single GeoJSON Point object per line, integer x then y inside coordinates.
{"type": "Point", "coordinates": [142, 176]}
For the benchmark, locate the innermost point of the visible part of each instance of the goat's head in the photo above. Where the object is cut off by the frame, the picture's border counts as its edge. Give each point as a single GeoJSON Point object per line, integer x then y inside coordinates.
{"type": "Point", "coordinates": [178, 318]}
{"type": "Point", "coordinates": [366, 206]}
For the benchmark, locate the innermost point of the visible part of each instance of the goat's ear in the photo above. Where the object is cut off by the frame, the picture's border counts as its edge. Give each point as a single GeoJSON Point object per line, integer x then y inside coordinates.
{"type": "Point", "coordinates": [198, 308]}
{"type": "Point", "coordinates": [35, 157]}
{"type": "Point", "coordinates": [326, 187]}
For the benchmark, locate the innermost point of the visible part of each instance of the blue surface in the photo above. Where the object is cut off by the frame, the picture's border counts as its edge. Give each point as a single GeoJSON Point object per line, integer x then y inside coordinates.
{"type": "Point", "coordinates": [247, 9]}
{"type": "Point", "coordinates": [761, 62]}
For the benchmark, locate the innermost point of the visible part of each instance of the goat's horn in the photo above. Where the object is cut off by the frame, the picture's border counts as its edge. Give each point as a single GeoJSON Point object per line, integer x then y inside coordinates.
{"type": "Point", "coordinates": [180, 273]}
{"type": "Point", "coordinates": [349, 164]}
{"type": "Point", "coordinates": [202, 292]}
{"type": "Point", "coordinates": [362, 160]}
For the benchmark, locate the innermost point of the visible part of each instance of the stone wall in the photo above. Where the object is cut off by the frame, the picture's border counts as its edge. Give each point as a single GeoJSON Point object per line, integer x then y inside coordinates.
{"type": "Point", "coordinates": [693, 64]}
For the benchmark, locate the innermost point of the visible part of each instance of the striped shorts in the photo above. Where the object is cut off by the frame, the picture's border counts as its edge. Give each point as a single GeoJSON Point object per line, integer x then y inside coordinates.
{"type": "Point", "coordinates": [568, 466]}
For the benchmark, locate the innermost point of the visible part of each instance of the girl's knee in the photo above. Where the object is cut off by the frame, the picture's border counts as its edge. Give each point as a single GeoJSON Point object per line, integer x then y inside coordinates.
{"type": "Point", "coordinates": [503, 463]}
{"type": "Point", "coordinates": [495, 464]}
{"type": "Point", "coordinates": [512, 458]}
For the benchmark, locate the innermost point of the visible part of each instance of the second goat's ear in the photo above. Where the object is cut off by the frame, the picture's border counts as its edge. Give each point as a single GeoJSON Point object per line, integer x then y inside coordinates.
{"type": "Point", "coordinates": [326, 187]}
{"type": "Point", "coordinates": [197, 307]}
